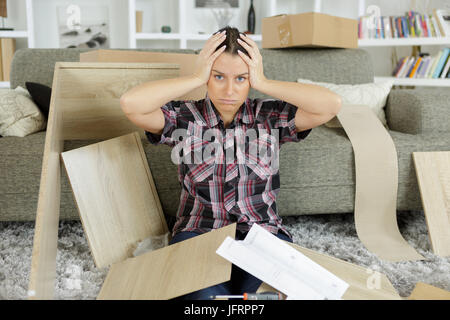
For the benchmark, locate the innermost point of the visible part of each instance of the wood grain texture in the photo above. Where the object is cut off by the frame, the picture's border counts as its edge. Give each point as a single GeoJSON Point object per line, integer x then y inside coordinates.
{"type": "Point", "coordinates": [423, 291]}
{"type": "Point", "coordinates": [43, 260]}
{"type": "Point", "coordinates": [103, 110]}
{"type": "Point", "coordinates": [433, 175]}
{"type": "Point", "coordinates": [115, 195]}
{"type": "Point", "coordinates": [175, 270]}
{"type": "Point", "coordinates": [376, 172]}
{"type": "Point", "coordinates": [187, 62]}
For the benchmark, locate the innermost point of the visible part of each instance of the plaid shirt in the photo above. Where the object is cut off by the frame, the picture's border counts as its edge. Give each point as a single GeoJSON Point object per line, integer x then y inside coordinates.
{"type": "Point", "coordinates": [243, 190]}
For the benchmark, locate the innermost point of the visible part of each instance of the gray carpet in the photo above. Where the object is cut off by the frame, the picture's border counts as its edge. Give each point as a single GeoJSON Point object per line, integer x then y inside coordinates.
{"type": "Point", "coordinates": [335, 235]}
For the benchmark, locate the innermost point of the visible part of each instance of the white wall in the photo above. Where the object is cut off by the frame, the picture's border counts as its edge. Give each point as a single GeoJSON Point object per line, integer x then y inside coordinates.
{"type": "Point", "coordinates": [166, 12]}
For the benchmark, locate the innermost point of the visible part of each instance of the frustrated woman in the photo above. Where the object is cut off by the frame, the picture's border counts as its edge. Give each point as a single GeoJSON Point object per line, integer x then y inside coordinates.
{"type": "Point", "coordinates": [233, 184]}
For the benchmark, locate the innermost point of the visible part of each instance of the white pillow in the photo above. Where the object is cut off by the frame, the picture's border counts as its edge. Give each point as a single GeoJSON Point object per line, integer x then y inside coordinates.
{"type": "Point", "coordinates": [373, 95]}
{"type": "Point", "coordinates": [19, 115]}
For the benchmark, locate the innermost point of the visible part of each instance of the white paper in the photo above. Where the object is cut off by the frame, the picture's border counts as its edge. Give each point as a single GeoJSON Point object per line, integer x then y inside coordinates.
{"type": "Point", "coordinates": [279, 265]}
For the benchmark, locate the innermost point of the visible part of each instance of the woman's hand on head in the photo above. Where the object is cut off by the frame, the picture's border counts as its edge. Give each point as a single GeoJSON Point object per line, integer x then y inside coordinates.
{"type": "Point", "coordinates": [208, 55]}
{"type": "Point", "coordinates": [254, 62]}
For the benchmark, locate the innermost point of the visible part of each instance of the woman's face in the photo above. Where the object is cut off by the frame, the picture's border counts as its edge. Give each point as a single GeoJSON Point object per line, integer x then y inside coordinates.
{"type": "Point", "coordinates": [228, 85]}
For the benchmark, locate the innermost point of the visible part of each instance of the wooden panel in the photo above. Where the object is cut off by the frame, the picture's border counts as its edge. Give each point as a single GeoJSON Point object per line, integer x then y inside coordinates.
{"type": "Point", "coordinates": [423, 291]}
{"type": "Point", "coordinates": [43, 260]}
{"type": "Point", "coordinates": [99, 118]}
{"type": "Point", "coordinates": [433, 175]}
{"type": "Point", "coordinates": [109, 80]}
{"type": "Point", "coordinates": [115, 195]}
{"type": "Point", "coordinates": [92, 110]}
{"type": "Point", "coordinates": [376, 171]}
{"type": "Point", "coordinates": [364, 284]}
{"type": "Point", "coordinates": [8, 47]}
{"type": "Point", "coordinates": [175, 270]}
{"type": "Point", "coordinates": [186, 61]}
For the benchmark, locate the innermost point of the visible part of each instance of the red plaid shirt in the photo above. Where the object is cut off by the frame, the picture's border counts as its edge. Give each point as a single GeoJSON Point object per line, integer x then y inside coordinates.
{"type": "Point", "coordinates": [242, 190]}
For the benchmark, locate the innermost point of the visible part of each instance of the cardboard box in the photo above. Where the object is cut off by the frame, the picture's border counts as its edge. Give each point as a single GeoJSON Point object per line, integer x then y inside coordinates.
{"type": "Point", "coordinates": [309, 29]}
{"type": "Point", "coordinates": [186, 61]}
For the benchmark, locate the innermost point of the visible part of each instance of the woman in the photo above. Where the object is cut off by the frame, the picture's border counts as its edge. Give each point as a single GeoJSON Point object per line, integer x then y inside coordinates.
{"type": "Point", "coordinates": [242, 189]}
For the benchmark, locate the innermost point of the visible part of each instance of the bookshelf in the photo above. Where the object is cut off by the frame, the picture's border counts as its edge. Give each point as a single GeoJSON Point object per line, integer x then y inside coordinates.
{"type": "Point", "coordinates": [182, 32]}
{"type": "Point", "coordinates": [25, 33]}
{"type": "Point", "coordinates": [402, 42]}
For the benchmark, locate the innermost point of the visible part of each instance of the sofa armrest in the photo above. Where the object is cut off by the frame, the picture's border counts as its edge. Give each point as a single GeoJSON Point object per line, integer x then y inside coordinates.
{"type": "Point", "coordinates": [418, 111]}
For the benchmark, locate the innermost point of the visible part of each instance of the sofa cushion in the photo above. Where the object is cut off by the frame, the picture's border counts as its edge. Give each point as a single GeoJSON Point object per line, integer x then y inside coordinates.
{"type": "Point", "coordinates": [19, 115]}
{"type": "Point", "coordinates": [373, 95]}
{"type": "Point", "coordinates": [41, 95]}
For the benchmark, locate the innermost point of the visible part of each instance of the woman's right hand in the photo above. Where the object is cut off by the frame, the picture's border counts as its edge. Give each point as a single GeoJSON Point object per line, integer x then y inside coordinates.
{"type": "Point", "coordinates": [208, 55]}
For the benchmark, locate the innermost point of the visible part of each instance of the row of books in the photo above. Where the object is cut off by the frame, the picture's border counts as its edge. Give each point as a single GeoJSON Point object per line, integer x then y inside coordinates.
{"type": "Point", "coordinates": [412, 24]}
{"type": "Point", "coordinates": [424, 66]}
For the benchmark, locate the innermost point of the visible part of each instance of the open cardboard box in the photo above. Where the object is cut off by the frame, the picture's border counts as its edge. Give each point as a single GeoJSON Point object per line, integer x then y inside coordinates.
{"type": "Point", "coordinates": [93, 112]}
{"type": "Point", "coordinates": [311, 29]}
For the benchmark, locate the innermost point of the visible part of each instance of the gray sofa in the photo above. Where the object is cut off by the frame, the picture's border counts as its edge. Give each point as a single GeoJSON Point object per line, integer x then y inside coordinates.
{"type": "Point", "coordinates": [317, 174]}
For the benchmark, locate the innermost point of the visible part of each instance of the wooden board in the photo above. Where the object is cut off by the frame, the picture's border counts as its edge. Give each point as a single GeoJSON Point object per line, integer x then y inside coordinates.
{"type": "Point", "coordinates": [364, 284]}
{"type": "Point", "coordinates": [43, 261]}
{"type": "Point", "coordinates": [376, 171]}
{"type": "Point", "coordinates": [433, 175]}
{"type": "Point", "coordinates": [8, 47]}
{"type": "Point", "coordinates": [187, 62]}
{"type": "Point", "coordinates": [175, 270]}
{"type": "Point", "coordinates": [115, 195]}
{"type": "Point", "coordinates": [423, 291]}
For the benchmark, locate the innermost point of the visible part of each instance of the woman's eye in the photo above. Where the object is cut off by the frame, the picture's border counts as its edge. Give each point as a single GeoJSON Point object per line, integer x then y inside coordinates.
{"type": "Point", "coordinates": [218, 76]}
{"type": "Point", "coordinates": [241, 79]}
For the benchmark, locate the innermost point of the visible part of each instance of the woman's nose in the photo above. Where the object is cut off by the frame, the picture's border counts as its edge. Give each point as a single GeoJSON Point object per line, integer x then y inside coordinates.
{"type": "Point", "coordinates": [229, 88]}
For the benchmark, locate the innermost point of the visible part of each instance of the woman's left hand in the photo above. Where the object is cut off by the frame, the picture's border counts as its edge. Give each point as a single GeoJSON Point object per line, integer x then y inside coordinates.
{"type": "Point", "coordinates": [255, 64]}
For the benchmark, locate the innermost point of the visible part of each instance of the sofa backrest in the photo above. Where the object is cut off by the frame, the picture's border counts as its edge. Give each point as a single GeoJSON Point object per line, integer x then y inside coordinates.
{"type": "Point", "coordinates": [342, 66]}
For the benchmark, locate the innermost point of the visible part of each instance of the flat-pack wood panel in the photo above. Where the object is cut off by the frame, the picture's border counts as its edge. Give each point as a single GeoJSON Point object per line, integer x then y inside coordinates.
{"type": "Point", "coordinates": [115, 195]}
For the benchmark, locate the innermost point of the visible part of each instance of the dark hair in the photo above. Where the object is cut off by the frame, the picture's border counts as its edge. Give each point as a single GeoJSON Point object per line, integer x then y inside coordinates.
{"type": "Point", "coordinates": [231, 41]}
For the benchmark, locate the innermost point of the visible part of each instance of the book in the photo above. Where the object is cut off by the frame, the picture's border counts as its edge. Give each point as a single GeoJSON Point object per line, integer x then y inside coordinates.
{"type": "Point", "coordinates": [424, 68]}
{"type": "Point", "coordinates": [430, 67]}
{"type": "Point", "coordinates": [414, 68]}
{"type": "Point", "coordinates": [405, 67]}
{"type": "Point", "coordinates": [436, 60]}
{"type": "Point", "coordinates": [443, 22]}
{"type": "Point", "coordinates": [387, 27]}
{"type": "Point", "coordinates": [436, 27]}
{"type": "Point", "coordinates": [405, 27]}
{"type": "Point", "coordinates": [408, 68]}
{"type": "Point", "coordinates": [446, 68]}
{"type": "Point", "coordinates": [399, 66]}
{"type": "Point", "coordinates": [416, 75]}
{"type": "Point", "coordinates": [440, 64]}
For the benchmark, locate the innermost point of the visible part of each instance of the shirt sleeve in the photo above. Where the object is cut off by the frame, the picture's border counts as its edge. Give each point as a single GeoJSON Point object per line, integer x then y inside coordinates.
{"type": "Point", "coordinates": [171, 111]}
{"type": "Point", "coordinates": [281, 116]}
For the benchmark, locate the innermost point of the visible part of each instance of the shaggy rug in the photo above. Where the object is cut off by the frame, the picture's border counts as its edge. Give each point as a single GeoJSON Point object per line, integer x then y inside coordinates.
{"type": "Point", "coordinates": [335, 235]}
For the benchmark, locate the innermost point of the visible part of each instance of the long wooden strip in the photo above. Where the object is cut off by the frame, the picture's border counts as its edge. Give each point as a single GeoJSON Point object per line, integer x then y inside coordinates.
{"type": "Point", "coordinates": [175, 270]}
{"type": "Point", "coordinates": [43, 260]}
{"type": "Point", "coordinates": [433, 175]}
{"type": "Point", "coordinates": [376, 184]}
{"type": "Point", "coordinates": [117, 202]}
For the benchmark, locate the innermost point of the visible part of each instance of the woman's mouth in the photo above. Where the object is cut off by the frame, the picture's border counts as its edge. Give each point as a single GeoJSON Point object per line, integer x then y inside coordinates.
{"type": "Point", "coordinates": [226, 101]}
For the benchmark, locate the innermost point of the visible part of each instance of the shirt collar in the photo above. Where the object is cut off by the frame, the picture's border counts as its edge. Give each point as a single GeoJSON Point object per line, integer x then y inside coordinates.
{"type": "Point", "coordinates": [212, 116]}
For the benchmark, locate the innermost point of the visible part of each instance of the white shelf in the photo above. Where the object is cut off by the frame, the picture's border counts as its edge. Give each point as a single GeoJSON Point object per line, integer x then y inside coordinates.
{"type": "Point", "coordinates": [13, 34]}
{"type": "Point", "coordinates": [179, 36]}
{"type": "Point", "coordinates": [420, 41]}
{"type": "Point", "coordinates": [416, 81]}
